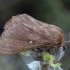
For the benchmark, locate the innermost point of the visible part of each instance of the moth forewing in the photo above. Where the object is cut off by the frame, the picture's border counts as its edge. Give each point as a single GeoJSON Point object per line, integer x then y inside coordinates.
{"type": "Point", "coordinates": [23, 32]}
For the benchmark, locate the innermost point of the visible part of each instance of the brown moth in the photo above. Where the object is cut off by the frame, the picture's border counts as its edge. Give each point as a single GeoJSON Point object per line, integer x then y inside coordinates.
{"type": "Point", "coordinates": [23, 32]}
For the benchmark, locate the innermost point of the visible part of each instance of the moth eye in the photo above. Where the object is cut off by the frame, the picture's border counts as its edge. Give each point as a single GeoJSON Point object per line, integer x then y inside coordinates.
{"type": "Point", "coordinates": [30, 42]}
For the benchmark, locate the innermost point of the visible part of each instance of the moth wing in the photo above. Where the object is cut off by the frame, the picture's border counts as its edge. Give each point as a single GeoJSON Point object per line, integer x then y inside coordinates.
{"type": "Point", "coordinates": [22, 33]}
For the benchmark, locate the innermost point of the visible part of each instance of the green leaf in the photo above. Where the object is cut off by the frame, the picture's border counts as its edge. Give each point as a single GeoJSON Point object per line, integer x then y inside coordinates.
{"type": "Point", "coordinates": [25, 53]}
{"type": "Point", "coordinates": [56, 65]}
{"type": "Point", "coordinates": [46, 57]}
{"type": "Point", "coordinates": [50, 60]}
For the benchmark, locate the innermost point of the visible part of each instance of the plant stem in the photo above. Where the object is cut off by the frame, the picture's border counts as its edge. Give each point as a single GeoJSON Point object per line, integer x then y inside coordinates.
{"type": "Point", "coordinates": [40, 66]}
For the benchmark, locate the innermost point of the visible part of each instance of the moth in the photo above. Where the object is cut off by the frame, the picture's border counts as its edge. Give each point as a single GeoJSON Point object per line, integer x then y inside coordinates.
{"type": "Point", "coordinates": [23, 32]}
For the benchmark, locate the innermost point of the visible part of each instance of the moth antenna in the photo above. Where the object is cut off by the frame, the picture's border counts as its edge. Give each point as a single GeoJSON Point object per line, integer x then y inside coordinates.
{"type": "Point", "coordinates": [66, 41]}
{"type": "Point", "coordinates": [69, 39]}
{"type": "Point", "coordinates": [69, 36]}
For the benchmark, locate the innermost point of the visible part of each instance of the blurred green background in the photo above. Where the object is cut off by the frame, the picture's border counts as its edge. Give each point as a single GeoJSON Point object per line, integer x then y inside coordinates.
{"type": "Point", "coordinates": [55, 12]}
